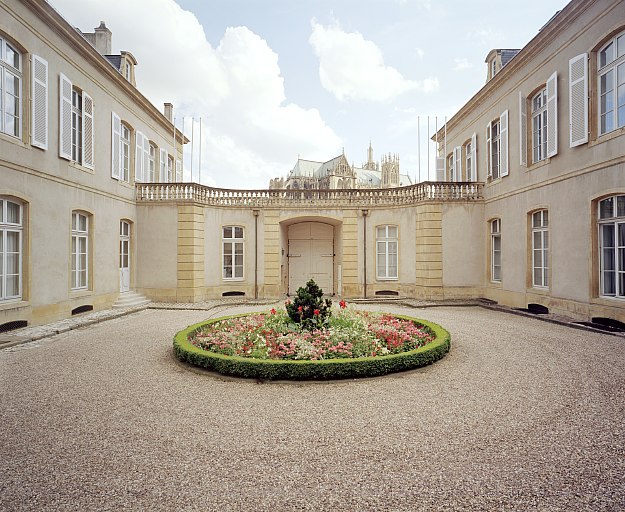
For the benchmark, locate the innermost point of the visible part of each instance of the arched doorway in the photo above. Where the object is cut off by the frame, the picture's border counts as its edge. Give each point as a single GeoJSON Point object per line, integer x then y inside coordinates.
{"type": "Point", "coordinates": [311, 255]}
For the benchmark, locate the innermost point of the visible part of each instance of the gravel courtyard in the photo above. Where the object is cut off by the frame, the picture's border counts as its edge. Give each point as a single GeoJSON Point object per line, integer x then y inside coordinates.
{"type": "Point", "coordinates": [521, 415]}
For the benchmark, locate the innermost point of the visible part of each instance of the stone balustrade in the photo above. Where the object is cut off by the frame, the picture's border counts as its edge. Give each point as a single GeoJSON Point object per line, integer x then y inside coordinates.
{"type": "Point", "coordinates": [355, 198]}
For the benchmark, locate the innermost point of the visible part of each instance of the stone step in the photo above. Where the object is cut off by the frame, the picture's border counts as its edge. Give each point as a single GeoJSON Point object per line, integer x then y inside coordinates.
{"type": "Point", "coordinates": [130, 300]}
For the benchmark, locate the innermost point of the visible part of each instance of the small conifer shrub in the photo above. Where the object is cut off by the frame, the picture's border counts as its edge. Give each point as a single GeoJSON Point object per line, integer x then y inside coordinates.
{"type": "Point", "coordinates": [309, 308]}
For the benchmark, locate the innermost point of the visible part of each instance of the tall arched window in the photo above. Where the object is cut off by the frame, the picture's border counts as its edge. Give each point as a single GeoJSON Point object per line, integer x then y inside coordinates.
{"type": "Point", "coordinates": [11, 231]}
{"type": "Point", "coordinates": [612, 246]}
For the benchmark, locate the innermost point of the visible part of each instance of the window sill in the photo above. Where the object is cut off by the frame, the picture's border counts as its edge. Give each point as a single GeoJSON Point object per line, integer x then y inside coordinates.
{"type": "Point", "coordinates": [387, 279]}
{"type": "Point", "coordinates": [539, 164]}
{"type": "Point", "coordinates": [608, 301]}
{"type": "Point", "coordinates": [232, 279]}
{"type": "Point", "coordinates": [76, 294]}
{"type": "Point", "coordinates": [14, 140]}
{"type": "Point", "coordinates": [79, 167]}
{"type": "Point", "coordinates": [600, 139]}
{"type": "Point", "coordinates": [14, 304]}
{"type": "Point", "coordinates": [495, 284]}
{"type": "Point", "coordinates": [539, 290]}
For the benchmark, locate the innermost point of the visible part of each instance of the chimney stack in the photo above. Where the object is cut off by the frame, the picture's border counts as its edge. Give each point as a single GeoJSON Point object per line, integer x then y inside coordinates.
{"type": "Point", "coordinates": [169, 112]}
{"type": "Point", "coordinates": [103, 38]}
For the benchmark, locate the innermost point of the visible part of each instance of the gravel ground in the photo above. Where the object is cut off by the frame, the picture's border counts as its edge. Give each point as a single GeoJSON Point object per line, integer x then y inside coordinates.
{"type": "Point", "coordinates": [520, 415]}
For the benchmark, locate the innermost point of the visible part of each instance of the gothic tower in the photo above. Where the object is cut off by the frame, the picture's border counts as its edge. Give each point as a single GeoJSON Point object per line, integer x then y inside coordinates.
{"type": "Point", "coordinates": [390, 170]}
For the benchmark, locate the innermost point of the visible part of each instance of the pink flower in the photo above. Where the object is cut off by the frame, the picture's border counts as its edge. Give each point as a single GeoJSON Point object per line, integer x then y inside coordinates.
{"type": "Point", "coordinates": [300, 309]}
{"type": "Point", "coordinates": [316, 312]}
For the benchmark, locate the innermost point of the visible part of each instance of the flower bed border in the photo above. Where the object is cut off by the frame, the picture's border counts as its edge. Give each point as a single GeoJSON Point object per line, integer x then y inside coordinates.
{"type": "Point", "coordinates": [325, 369]}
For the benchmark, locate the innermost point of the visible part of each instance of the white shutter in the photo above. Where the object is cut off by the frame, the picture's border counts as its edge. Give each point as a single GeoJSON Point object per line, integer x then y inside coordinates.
{"type": "Point", "coordinates": [87, 131]}
{"type": "Point", "coordinates": [522, 130]}
{"type": "Point", "coordinates": [116, 144]}
{"type": "Point", "coordinates": [473, 169]}
{"type": "Point", "coordinates": [578, 100]}
{"type": "Point", "coordinates": [503, 144]}
{"type": "Point", "coordinates": [65, 117]}
{"type": "Point", "coordinates": [552, 115]}
{"type": "Point", "coordinates": [440, 169]}
{"type": "Point", "coordinates": [39, 106]}
{"type": "Point", "coordinates": [163, 166]}
{"type": "Point", "coordinates": [146, 159]}
{"type": "Point", "coordinates": [179, 171]}
{"type": "Point", "coordinates": [458, 163]}
{"type": "Point", "coordinates": [489, 149]}
{"type": "Point", "coordinates": [139, 175]}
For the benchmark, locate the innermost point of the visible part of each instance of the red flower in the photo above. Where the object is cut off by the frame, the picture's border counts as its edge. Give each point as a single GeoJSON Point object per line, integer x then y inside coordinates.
{"type": "Point", "coordinates": [273, 311]}
{"type": "Point", "coordinates": [300, 309]}
{"type": "Point", "coordinates": [343, 304]}
{"type": "Point", "coordinates": [316, 312]}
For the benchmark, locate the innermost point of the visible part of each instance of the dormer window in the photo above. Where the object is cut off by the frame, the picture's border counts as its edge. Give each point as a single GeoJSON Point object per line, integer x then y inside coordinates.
{"type": "Point", "coordinates": [127, 74]}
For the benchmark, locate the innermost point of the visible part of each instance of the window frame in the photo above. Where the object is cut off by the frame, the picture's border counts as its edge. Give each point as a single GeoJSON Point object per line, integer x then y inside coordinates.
{"type": "Point", "coordinates": [125, 153]}
{"type": "Point", "coordinates": [495, 234]}
{"type": "Point", "coordinates": [539, 113]}
{"type": "Point", "coordinates": [539, 224]}
{"type": "Point", "coordinates": [494, 148]}
{"type": "Point", "coordinates": [77, 126]}
{"type": "Point", "coordinates": [602, 71]}
{"type": "Point", "coordinates": [386, 242]}
{"type": "Point", "coordinates": [231, 243]}
{"type": "Point", "coordinates": [76, 265]}
{"type": "Point", "coordinates": [17, 228]}
{"type": "Point", "coordinates": [617, 222]}
{"type": "Point", "coordinates": [7, 68]}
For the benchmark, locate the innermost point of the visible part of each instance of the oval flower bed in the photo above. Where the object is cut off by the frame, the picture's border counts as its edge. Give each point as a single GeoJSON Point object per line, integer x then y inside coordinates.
{"type": "Point", "coordinates": [349, 344]}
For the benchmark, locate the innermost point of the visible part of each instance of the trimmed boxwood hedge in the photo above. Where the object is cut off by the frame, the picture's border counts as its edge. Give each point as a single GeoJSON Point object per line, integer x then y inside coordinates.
{"type": "Point", "coordinates": [271, 369]}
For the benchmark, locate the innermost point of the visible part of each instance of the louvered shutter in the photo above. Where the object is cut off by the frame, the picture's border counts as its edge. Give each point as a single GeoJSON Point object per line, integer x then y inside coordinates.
{"type": "Point", "coordinates": [139, 172]}
{"type": "Point", "coordinates": [522, 130]}
{"type": "Point", "coordinates": [578, 100]}
{"type": "Point", "coordinates": [163, 167]}
{"type": "Point", "coordinates": [116, 135]}
{"type": "Point", "coordinates": [440, 169]}
{"type": "Point", "coordinates": [489, 148]}
{"type": "Point", "coordinates": [65, 117]}
{"type": "Point", "coordinates": [458, 163]}
{"type": "Point", "coordinates": [87, 132]}
{"type": "Point", "coordinates": [39, 106]}
{"type": "Point", "coordinates": [473, 169]}
{"type": "Point", "coordinates": [179, 171]}
{"type": "Point", "coordinates": [552, 115]}
{"type": "Point", "coordinates": [146, 159]}
{"type": "Point", "coordinates": [503, 144]}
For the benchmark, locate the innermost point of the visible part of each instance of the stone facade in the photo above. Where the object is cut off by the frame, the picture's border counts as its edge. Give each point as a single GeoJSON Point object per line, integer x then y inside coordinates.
{"type": "Point", "coordinates": [520, 217]}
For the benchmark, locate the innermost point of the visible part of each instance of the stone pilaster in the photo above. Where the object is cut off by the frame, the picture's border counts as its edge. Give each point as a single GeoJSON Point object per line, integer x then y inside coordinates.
{"type": "Point", "coordinates": [272, 254]}
{"type": "Point", "coordinates": [351, 286]}
{"type": "Point", "coordinates": [429, 251]}
{"type": "Point", "coordinates": [190, 253]}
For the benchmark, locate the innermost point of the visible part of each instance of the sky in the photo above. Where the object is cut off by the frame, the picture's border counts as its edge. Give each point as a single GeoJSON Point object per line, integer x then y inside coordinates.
{"type": "Point", "coordinates": [266, 82]}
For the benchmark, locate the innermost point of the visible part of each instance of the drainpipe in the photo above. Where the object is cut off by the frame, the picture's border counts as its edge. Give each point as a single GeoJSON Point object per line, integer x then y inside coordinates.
{"type": "Point", "coordinates": [255, 212]}
{"type": "Point", "coordinates": [364, 218]}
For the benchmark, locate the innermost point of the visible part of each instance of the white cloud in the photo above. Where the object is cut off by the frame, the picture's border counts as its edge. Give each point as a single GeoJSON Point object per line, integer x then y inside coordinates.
{"type": "Point", "coordinates": [420, 53]}
{"type": "Point", "coordinates": [250, 132]}
{"type": "Point", "coordinates": [352, 67]}
{"type": "Point", "coordinates": [460, 64]}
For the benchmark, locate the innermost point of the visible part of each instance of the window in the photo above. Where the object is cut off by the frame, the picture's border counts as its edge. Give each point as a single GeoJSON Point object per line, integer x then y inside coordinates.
{"type": "Point", "coordinates": [495, 243]}
{"type": "Point", "coordinates": [470, 156]}
{"type": "Point", "coordinates": [80, 251]}
{"type": "Point", "coordinates": [10, 89]}
{"type": "Point", "coordinates": [451, 167]}
{"type": "Point", "coordinates": [612, 246]}
{"type": "Point", "coordinates": [611, 84]}
{"type": "Point", "coordinates": [386, 252]}
{"type": "Point", "coordinates": [120, 149]}
{"type": "Point", "coordinates": [11, 227]}
{"type": "Point", "coordinates": [233, 252]}
{"type": "Point", "coordinates": [497, 144]}
{"type": "Point", "coordinates": [151, 177]}
{"type": "Point", "coordinates": [540, 249]}
{"type": "Point", "coordinates": [75, 124]}
{"type": "Point", "coordinates": [125, 154]}
{"type": "Point", "coordinates": [539, 126]}
{"type": "Point", "coordinates": [170, 169]}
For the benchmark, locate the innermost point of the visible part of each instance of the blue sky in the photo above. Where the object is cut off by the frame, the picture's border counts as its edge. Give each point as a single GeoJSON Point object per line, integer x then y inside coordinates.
{"type": "Point", "coordinates": [274, 79]}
